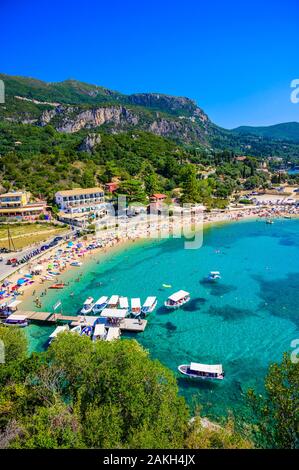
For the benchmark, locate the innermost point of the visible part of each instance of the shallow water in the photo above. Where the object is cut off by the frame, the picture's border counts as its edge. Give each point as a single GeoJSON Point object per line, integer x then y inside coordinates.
{"type": "Point", "coordinates": [245, 321]}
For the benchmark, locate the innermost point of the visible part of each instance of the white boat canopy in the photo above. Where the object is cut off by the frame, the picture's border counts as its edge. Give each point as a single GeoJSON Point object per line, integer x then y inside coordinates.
{"type": "Point", "coordinates": [210, 369]}
{"type": "Point", "coordinates": [99, 329]}
{"type": "Point", "coordinates": [135, 303]}
{"type": "Point", "coordinates": [101, 300]}
{"type": "Point", "coordinates": [149, 301]}
{"type": "Point", "coordinates": [214, 273]}
{"type": "Point", "coordinates": [178, 295]}
{"type": "Point", "coordinates": [14, 303]}
{"type": "Point", "coordinates": [88, 301]}
{"type": "Point", "coordinates": [113, 333]}
{"type": "Point", "coordinates": [17, 317]}
{"type": "Point", "coordinates": [58, 330]}
{"type": "Point", "coordinates": [113, 300]}
{"type": "Point", "coordinates": [114, 313]}
{"type": "Point", "coordinates": [123, 302]}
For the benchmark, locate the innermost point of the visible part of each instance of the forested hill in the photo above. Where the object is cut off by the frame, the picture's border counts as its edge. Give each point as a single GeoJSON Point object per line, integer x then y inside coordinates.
{"type": "Point", "coordinates": [71, 106]}
{"type": "Point", "coordinates": [288, 131]}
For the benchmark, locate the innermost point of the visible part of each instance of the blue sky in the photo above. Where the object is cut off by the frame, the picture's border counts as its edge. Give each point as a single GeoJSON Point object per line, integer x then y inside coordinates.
{"type": "Point", "coordinates": [235, 58]}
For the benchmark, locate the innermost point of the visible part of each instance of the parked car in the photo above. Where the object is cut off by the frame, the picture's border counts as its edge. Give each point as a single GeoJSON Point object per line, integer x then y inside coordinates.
{"type": "Point", "coordinates": [11, 261]}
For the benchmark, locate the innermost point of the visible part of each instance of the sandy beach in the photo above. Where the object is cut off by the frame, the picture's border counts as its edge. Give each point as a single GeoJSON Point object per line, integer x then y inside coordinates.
{"type": "Point", "coordinates": [66, 256]}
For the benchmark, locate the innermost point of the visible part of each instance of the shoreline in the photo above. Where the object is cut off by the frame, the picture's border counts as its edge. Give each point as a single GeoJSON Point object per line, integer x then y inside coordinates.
{"type": "Point", "coordinates": [111, 242]}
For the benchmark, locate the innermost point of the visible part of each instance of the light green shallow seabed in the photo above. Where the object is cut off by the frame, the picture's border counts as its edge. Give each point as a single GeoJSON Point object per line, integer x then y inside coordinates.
{"type": "Point", "coordinates": [245, 322]}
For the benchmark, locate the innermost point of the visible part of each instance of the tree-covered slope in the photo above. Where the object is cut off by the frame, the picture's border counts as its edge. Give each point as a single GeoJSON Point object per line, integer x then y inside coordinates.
{"type": "Point", "coordinates": [285, 131]}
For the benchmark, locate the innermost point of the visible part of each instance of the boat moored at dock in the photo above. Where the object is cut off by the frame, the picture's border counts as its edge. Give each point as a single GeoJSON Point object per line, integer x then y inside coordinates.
{"type": "Point", "coordinates": [124, 303]}
{"type": "Point", "coordinates": [113, 333]}
{"type": "Point", "coordinates": [100, 304]}
{"type": "Point", "coordinates": [87, 306]}
{"type": "Point", "coordinates": [149, 305]}
{"type": "Point", "coordinates": [177, 300]}
{"type": "Point", "coordinates": [113, 301]}
{"type": "Point", "coordinates": [58, 329]}
{"type": "Point", "coordinates": [135, 307]}
{"type": "Point", "coordinates": [99, 332]}
{"type": "Point", "coordinates": [202, 371]}
{"type": "Point", "coordinates": [16, 320]}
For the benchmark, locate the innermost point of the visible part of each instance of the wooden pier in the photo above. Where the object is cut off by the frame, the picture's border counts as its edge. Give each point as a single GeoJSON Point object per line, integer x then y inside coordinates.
{"type": "Point", "coordinates": [126, 324]}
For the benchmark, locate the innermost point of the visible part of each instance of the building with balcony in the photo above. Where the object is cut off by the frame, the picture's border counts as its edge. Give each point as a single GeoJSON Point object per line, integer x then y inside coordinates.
{"type": "Point", "coordinates": [19, 204]}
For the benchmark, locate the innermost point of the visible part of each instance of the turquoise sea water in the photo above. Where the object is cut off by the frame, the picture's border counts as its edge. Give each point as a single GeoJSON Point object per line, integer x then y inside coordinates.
{"type": "Point", "coordinates": [245, 321]}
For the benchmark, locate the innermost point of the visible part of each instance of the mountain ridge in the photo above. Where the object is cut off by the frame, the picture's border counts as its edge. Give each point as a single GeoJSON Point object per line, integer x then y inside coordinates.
{"type": "Point", "coordinates": [72, 105]}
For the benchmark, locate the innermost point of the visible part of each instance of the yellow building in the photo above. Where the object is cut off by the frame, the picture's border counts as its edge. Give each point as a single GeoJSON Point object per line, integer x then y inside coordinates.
{"type": "Point", "coordinates": [17, 204]}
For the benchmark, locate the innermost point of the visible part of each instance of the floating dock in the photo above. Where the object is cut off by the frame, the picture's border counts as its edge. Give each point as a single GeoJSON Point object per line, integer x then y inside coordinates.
{"type": "Point", "coordinates": [126, 324]}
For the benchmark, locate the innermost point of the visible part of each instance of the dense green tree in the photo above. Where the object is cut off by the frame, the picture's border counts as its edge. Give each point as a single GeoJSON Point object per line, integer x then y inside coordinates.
{"type": "Point", "coordinates": [277, 412]}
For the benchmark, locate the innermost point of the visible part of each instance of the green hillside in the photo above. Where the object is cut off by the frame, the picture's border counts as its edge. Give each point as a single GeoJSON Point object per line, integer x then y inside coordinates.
{"type": "Point", "coordinates": [286, 131]}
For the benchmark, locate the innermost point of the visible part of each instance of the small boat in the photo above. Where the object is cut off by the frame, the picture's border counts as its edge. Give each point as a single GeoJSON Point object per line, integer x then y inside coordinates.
{"type": "Point", "coordinates": [87, 331]}
{"type": "Point", "coordinates": [113, 301]}
{"type": "Point", "coordinates": [269, 221]}
{"type": "Point", "coordinates": [149, 305]}
{"type": "Point", "coordinates": [202, 371]}
{"type": "Point", "coordinates": [99, 332]}
{"type": "Point", "coordinates": [135, 307]}
{"type": "Point", "coordinates": [57, 286]}
{"type": "Point", "coordinates": [87, 306]}
{"type": "Point", "coordinates": [213, 276]}
{"type": "Point", "coordinates": [113, 333]}
{"type": "Point", "coordinates": [167, 286]}
{"type": "Point", "coordinates": [124, 303]}
{"type": "Point", "coordinates": [76, 263]}
{"type": "Point", "coordinates": [100, 304]}
{"type": "Point", "coordinates": [16, 320]}
{"type": "Point", "coordinates": [58, 329]}
{"type": "Point", "coordinates": [177, 299]}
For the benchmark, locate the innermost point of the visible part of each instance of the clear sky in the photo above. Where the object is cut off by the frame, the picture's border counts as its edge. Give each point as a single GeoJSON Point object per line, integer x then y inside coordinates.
{"type": "Point", "coordinates": [235, 58]}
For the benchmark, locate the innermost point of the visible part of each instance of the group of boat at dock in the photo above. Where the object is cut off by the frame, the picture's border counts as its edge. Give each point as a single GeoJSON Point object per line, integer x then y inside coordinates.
{"type": "Point", "coordinates": [114, 309]}
{"type": "Point", "coordinates": [96, 331]}
{"type": "Point", "coordinates": [134, 308]}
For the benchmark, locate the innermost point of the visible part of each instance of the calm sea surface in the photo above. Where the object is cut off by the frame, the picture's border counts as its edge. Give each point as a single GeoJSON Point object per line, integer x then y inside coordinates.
{"type": "Point", "coordinates": [245, 321]}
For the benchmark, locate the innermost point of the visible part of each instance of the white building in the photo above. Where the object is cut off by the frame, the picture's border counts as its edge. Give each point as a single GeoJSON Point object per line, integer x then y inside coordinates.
{"type": "Point", "coordinates": [75, 201]}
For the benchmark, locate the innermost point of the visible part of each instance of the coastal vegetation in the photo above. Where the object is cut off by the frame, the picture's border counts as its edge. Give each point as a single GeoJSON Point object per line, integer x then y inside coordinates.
{"type": "Point", "coordinates": [46, 161]}
{"type": "Point", "coordinates": [84, 394]}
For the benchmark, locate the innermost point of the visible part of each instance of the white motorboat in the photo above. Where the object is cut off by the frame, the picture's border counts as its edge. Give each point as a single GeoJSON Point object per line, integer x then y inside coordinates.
{"type": "Point", "coordinates": [149, 305]}
{"type": "Point", "coordinates": [16, 320]}
{"type": "Point", "coordinates": [124, 303]}
{"type": "Point", "coordinates": [87, 306]}
{"type": "Point", "coordinates": [202, 371]}
{"type": "Point", "coordinates": [100, 304]}
{"type": "Point", "coordinates": [177, 300]}
{"type": "Point", "coordinates": [58, 329]}
{"type": "Point", "coordinates": [135, 307]}
{"type": "Point", "coordinates": [100, 332]}
{"type": "Point", "coordinates": [113, 333]}
{"type": "Point", "coordinates": [214, 276]}
{"type": "Point", "coordinates": [113, 301]}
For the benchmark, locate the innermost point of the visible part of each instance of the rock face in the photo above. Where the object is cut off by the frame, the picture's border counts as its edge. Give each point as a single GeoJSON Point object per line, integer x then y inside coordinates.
{"type": "Point", "coordinates": [91, 141]}
{"type": "Point", "coordinates": [72, 119]}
